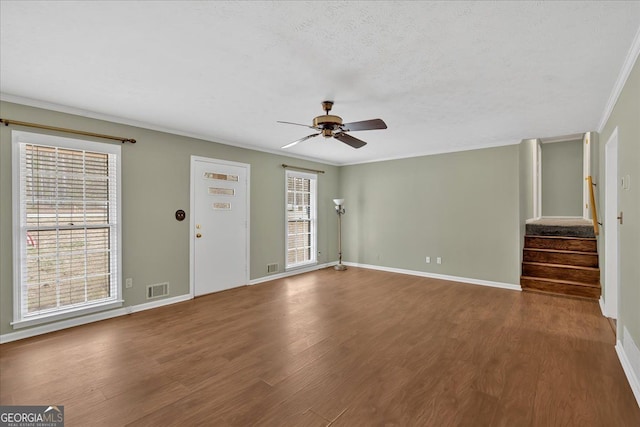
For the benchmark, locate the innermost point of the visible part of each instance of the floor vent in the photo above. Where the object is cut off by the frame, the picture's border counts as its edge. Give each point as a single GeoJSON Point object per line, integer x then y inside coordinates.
{"type": "Point", "coordinates": [158, 290]}
{"type": "Point", "coordinates": [272, 268]}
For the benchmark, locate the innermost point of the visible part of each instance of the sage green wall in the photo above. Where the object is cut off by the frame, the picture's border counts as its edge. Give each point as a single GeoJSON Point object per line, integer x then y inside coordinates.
{"type": "Point", "coordinates": [527, 152]}
{"type": "Point", "coordinates": [562, 178]}
{"type": "Point", "coordinates": [625, 117]}
{"type": "Point", "coordinates": [463, 207]}
{"type": "Point", "coordinates": [155, 174]}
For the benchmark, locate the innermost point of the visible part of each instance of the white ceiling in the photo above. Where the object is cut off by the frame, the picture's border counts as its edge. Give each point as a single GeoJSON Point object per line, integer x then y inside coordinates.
{"type": "Point", "coordinates": [445, 76]}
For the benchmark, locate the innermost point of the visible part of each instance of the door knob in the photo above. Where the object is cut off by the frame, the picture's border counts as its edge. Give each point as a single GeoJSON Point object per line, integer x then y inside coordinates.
{"type": "Point", "coordinates": [198, 235]}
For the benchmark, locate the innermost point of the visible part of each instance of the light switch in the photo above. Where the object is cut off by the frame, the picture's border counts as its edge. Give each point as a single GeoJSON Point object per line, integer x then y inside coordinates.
{"type": "Point", "coordinates": [626, 182]}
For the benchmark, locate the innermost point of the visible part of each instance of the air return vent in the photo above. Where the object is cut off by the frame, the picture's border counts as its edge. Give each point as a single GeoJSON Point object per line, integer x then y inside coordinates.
{"type": "Point", "coordinates": [272, 268]}
{"type": "Point", "coordinates": [158, 290]}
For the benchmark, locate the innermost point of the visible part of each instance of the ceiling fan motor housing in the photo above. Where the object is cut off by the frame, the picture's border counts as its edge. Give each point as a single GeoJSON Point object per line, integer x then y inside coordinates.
{"type": "Point", "coordinates": [331, 126]}
{"type": "Point", "coordinates": [327, 123]}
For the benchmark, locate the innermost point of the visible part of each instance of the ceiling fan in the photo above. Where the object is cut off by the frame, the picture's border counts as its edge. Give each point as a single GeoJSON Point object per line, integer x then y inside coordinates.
{"type": "Point", "coordinates": [331, 126]}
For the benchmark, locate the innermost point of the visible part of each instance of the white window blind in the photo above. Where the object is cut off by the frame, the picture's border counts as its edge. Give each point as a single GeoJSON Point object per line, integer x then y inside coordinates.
{"type": "Point", "coordinates": [68, 236]}
{"type": "Point", "coordinates": [301, 218]}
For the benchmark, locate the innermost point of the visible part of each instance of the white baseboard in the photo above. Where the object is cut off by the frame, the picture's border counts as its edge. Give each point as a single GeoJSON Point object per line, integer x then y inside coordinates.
{"type": "Point", "coordinates": [83, 320]}
{"type": "Point", "coordinates": [439, 276]}
{"type": "Point", "coordinates": [291, 273]}
{"type": "Point", "coordinates": [601, 301]}
{"type": "Point", "coordinates": [629, 356]}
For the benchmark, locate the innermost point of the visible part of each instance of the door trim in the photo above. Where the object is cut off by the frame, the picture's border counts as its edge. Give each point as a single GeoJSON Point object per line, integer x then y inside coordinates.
{"type": "Point", "coordinates": [537, 180]}
{"type": "Point", "coordinates": [611, 229]}
{"type": "Point", "coordinates": [537, 172]}
{"type": "Point", "coordinates": [192, 225]}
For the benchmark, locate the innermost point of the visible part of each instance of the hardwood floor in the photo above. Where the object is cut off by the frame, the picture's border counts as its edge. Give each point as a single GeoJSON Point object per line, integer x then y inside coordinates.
{"type": "Point", "coordinates": [351, 348]}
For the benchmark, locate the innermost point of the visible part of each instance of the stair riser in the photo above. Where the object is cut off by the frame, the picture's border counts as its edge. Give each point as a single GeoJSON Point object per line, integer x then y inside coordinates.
{"type": "Point", "coordinates": [580, 245]}
{"type": "Point", "coordinates": [583, 260]}
{"type": "Point", "coordinates": [558, 288]}
{"type": "Point", "coordinates": [562, 273]}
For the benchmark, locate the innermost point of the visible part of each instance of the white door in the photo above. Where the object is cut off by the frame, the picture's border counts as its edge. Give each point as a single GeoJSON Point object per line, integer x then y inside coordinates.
{"type": "Point", "coordinates": [219, 225]}
{"type": "Point", "coordinates": [611, 229]}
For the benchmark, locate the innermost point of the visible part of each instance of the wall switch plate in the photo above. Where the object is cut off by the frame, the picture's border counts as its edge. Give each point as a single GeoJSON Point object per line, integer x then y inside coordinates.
{"type": "Point", "coordinates": [128, 283]}
{"type": "Point", "coordinates": [439, 260]}
{"type": "Point", "coordinates": [428, 260]}
{"type": "Point", "coordinates": [626, 182]}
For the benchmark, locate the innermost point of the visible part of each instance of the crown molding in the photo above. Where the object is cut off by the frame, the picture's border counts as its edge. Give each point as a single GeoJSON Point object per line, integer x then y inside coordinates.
{"type": "Point", "coordinates": [436, 152]}
{"type": "Point", "coordinates": [30, 102]}
{"type": "Point", "coordinates": [632, 56]}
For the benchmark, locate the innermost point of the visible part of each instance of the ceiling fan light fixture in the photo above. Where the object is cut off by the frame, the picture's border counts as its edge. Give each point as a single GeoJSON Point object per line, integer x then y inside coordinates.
{"type": "Point", "coordinates": [328, 120]}
{"type": "Point", "coordinates": [331, 126]}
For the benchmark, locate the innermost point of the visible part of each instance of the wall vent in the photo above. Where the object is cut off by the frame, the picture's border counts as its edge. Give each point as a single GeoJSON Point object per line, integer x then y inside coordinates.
{"type": "Point", "coordinates": [272, 268]}
{"type": "Point", "coordinates": [158, 290]}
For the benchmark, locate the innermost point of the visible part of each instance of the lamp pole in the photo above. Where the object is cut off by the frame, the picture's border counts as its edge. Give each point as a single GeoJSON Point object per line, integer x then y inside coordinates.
{"type": "Point", "coordinates": [340, 211]}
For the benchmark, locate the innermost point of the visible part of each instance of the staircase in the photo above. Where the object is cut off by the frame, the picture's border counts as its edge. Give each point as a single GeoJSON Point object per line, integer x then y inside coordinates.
{"type": "Point", "coordinates": [561, 257]}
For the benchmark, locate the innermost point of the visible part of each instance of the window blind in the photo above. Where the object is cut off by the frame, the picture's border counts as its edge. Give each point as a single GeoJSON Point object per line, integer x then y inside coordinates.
{"type": "Point", "coordinates": [68, 206]}
{"type": "Point", "coordinates": [300, 218]}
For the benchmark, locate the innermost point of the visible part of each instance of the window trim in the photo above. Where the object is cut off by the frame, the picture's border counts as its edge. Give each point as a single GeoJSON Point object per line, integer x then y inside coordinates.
{"type": "Point", "coordinates": [314, 219]}
{"type": "Point", "coordinates": [21, 137]}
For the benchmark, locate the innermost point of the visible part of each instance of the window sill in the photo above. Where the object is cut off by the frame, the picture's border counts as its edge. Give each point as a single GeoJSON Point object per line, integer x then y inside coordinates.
{"type": "Point", "coordinates": [301, 265]}
{"type": "Point", "coordinates": [49, 318]}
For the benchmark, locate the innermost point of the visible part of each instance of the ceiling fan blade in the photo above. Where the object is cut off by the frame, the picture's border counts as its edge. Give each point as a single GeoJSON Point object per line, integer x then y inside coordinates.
{"type": "Point", "coordinates": [291, 144]}
{"type": "Point", "coordinates": [365, 125]}
{"type": "Point", "coordinates": [349, 140]}
{"type": "Point", "coordinates": [297, 124]}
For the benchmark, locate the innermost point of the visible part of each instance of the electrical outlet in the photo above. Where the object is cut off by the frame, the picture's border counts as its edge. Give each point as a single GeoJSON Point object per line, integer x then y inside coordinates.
{"type": "Point", "coordinates": [128, 283]}
{"type": "Point", "coordinates": [439, 260]}
{"type": "Point", "coordinates": [428, 260]}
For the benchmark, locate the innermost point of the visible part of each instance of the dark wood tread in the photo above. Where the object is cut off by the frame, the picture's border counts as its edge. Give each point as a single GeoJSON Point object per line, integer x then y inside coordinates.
{"type": "Point", "coordinates": [560, 287]}
{"type": "Point", "coordinates": [561, 251]}
{"type": "Point", "coordinates": [560, 237]}
{"type": "Point", "coordinates": [569, 267]}
{"type": "Point", "coordinates": [560, 256]}
{"type": "Point", "coordinates": [556, 294]}
{"type": "Point", "coordinates": [575, 273]}
{"type": "Point", "coordinates": [561, 282]}
{"type": "Point", "coordinates": [579, 244]}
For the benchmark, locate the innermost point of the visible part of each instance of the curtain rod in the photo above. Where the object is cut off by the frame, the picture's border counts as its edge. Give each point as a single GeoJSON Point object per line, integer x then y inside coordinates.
{"type": "Point", "coordinates": [301, 169]}
{"type": "Point", "coordinates": [77, 132]}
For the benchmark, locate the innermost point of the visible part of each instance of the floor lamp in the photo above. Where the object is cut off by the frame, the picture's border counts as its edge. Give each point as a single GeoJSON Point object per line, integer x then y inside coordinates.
{"type": "Point", "coordinates": [340, 211]}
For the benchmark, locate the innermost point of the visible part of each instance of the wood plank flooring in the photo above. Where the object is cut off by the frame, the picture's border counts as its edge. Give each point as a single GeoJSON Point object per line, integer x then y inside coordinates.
{"type": "Point", "coordinates": [353, 348]}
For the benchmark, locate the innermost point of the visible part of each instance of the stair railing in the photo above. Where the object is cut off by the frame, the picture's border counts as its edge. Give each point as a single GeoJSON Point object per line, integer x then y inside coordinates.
{"type": "Point", "coordinates": [592, 201]}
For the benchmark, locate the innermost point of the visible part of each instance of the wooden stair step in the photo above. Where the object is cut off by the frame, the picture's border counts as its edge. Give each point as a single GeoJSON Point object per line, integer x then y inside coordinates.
{"type": "Point", "coordinates": [589, 275]}
{"type": "Point", "coordinates": [555, 256]}
{"type": "Point", "coordinates": [580, 244]}
{"type": "Point", "coordinates": [560, 287]}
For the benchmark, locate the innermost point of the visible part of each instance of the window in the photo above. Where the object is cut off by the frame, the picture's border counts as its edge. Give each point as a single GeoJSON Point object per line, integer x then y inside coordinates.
{"type": "Point", "coordinates": [301, 219]}
{"type": "Point", "coordinates": [66, 227]}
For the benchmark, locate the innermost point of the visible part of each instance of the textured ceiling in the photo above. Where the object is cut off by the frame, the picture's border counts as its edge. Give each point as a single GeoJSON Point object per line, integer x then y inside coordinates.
{"type": "Point", "coordinates": [445, 76]}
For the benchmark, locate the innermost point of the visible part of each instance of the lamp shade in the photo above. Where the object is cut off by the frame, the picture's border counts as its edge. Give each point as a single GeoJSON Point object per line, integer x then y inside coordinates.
{"type": "Point", "coordinates": [338, 202]}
